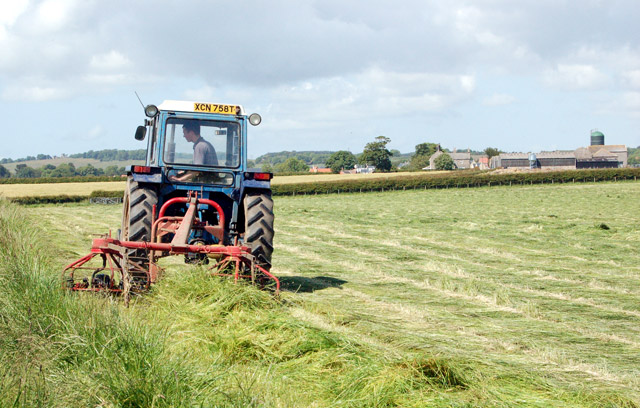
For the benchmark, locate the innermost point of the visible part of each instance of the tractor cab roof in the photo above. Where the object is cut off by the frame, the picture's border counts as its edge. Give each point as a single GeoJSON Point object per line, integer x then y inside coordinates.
{"type": "Point", "coordinates": [201, 107]}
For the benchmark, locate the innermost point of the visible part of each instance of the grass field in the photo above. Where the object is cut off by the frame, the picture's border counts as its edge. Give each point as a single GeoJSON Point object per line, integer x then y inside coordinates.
{"type": "Point", "coordinates": [508, 296]}
{"type": "Point", "coordinates": [56, 189]}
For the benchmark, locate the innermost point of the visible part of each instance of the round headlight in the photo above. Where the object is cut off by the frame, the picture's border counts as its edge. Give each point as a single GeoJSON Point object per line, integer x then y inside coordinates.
{"type": "Point", "coordinates": [255, 119]}
{"type": "Point", "coordinates": [151, 111]}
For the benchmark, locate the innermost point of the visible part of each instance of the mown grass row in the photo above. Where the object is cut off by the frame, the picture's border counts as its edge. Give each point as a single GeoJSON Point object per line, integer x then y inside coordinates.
{"type": "Point", "coordinates": [193, 341]}
{"type": "Point", "coordinates": [462, 179]}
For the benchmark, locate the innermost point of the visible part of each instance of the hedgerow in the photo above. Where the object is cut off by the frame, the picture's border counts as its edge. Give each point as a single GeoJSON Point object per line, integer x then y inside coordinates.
{"type": "Point", "coordinates": [457, 179]}
{"type": "Point", "coordinates": [461, 179]}
{"type": "Point", "coordinates": [31, 200]}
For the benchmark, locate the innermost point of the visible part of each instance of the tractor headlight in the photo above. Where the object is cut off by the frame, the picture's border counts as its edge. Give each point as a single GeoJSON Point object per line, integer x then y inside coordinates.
{"type": "Point", "coordinates": [255, 119]}
{"type": "Point", "coordinates": [151, 111]}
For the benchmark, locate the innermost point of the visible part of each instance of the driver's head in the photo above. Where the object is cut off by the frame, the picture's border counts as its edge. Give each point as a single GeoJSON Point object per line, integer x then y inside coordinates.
{"type": "Point", "coordinates": [191, 131]}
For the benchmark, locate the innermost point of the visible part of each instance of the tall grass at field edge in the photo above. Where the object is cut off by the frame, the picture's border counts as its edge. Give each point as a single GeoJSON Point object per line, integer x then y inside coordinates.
{"type": "Point", "coordinates": [60, 350]}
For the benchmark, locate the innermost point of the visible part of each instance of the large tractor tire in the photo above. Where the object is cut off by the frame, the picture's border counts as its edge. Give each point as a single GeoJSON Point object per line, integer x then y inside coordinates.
{"type": "Point", "coordinates": [258, 233]}
{"type": "Point", "coordinates": [137, 214]}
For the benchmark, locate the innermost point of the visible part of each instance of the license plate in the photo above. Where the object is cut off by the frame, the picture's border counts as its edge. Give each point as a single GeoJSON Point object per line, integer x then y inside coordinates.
{"type": "Point", "coordinates": [216, 108]}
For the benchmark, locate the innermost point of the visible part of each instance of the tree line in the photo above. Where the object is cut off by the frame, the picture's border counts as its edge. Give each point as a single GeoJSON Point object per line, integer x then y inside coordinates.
{"type": "Point", "coordinates": [101, 155]}
{"type": "Point", "coordinates": [28, 158]}
{"type": "Point", "coordinates": [62, 170]}
{"type": "Point", "coordinates": [375, 153]}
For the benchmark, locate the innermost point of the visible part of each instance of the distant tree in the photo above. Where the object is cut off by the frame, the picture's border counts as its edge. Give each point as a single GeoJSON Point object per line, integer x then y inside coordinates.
{"type": "Point", "coordinates": [341, 160]}
{"type": "Point", "coordinates": [634, 156]}
{"type": "Point", "coordinates": [421, 157]}
{"type": "Point", "coordinates": [426, 149]}
{"type": "Point", "coordinates": [4, 173]}
{"type": "Point", "coordinates": [419, 162]}
{"type": "Point", "coordinates": [292, 165]}
{"type": "Point", "coordinates": [89, 170]}
{"type": "Point", "coordinates": [64, 170]}
{"type": "Point", "coordinates": [267, 167]}
{"type": "Point", "coordinates": [309, 157]}
{"type": "Point", "coordinates": [47, 170]}
{"type": "Point", "coordinates": [24, 171]}
{"type": "Point", "coordinates": [111, 171]}
{"type": "Point", "coordinates": [491, 151]}
{"type": "Point", "coordinates": [395, 152]}
{"type": "Point", "coordinates": [43, 157]}
{"type": "Point", "coordinates": [376, 153]}
{"type": "Point", "coordinates": [444, 162]}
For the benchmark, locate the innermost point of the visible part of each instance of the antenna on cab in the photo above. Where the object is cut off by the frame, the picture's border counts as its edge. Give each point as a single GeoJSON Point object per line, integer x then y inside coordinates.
{"type": "Point", "coordinates": [139, 99]}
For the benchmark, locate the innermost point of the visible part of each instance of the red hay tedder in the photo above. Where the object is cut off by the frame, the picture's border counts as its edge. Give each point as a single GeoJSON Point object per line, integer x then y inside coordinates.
{"type": "Point", "coordinates": [121, 273]}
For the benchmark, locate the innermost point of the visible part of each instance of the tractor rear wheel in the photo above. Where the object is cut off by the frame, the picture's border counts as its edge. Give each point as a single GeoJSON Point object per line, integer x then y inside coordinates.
{"type": "Point", "coordinates": [258, 233]}
{"type": "Point", "coordinates": [137, 214]}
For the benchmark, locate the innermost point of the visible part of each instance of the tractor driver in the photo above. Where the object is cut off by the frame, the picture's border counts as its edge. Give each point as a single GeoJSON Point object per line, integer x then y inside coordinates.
{"type": "Point", "coordinates": [203, 152]}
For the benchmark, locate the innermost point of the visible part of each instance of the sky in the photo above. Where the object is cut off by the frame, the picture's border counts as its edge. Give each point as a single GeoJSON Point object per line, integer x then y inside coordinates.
{"type": "Point", "coordinates": [519, 75]}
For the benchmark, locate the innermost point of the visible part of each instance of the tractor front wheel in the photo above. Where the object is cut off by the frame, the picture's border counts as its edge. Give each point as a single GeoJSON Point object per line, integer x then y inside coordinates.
{"type": "Point", "coordinates": [258, 233]}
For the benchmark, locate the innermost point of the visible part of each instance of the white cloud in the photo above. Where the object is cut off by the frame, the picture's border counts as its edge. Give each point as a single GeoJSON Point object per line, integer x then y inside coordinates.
{"type": "Point", "coordinates": [630, 102]}
{"type": "Point", "coordinates": [11, 10]}
{"type": "Point", "coordinates": [576, 77]}
{"type": "Point", "coordinates": [331, 64]}
{"type": "Point", "coordinates": [33, 93]}
{"type": "Point", "coordinates": [108, 79]}
{"type": "Point", "coordinates": [205, 93]}
{"type": "Point", "coordinates": [53, 14]}
{"type": "Point", "coordinates": [94, 133]}
{"type": "Point", "coordinates": [632, 78]}
{"type": "Point", "coordinates": [110, 61]}
{"type": "Point", "coordinates": [498, 100]}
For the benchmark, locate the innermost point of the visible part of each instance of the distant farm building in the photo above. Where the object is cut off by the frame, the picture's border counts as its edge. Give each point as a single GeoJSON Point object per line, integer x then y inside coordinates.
{"type": "Point", "coordinates": [365, 169]}
{"type": "Point", "coordinates": [596, 156]}
{"type": "Point", "coordinates": [359, 169]}
{"type": "Point", "coordinates": [461, 160]}
{"type": "Point", "coordinates": [316, 169]}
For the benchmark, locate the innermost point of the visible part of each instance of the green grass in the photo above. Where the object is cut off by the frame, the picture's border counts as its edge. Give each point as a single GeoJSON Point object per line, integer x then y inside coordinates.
{"type": "Point", "coordinates": [507, 296]}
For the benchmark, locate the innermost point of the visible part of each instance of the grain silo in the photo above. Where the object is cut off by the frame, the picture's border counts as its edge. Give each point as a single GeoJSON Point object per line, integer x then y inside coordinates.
{"type": "Point", "coordinates": [597, 138]}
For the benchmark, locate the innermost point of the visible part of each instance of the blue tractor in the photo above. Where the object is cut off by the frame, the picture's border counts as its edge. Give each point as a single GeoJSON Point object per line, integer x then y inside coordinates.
{"type": "Point", "coordinates": [198, 149]}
